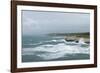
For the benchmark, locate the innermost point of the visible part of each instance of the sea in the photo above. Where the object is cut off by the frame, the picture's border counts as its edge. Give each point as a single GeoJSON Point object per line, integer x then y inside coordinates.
{"type": "Point", "coordinates": [52, 48]}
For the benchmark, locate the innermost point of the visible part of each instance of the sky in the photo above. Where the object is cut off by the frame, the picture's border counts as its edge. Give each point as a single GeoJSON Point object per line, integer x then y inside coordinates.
{"type": "Point", "coordinates": [45, 22]}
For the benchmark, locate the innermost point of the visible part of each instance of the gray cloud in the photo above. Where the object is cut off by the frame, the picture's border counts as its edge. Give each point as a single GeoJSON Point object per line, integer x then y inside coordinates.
{"type": "Point", "coordinates": [39, 22]}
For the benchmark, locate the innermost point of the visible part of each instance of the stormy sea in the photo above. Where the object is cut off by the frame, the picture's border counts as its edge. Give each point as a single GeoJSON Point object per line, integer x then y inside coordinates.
{"type": "Point", "coordinates": [53, 48]}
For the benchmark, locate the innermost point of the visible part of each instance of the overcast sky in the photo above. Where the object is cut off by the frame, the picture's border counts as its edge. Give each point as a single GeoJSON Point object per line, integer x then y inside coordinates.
{"type": "Point", "coordinates": [43, 22]}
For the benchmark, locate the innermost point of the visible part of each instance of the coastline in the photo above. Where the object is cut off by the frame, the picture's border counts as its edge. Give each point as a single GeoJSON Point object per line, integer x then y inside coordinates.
{"type": "Point", "coordinates": [76, 39]}
{"type": "Point", "coordinates": [69, 37]}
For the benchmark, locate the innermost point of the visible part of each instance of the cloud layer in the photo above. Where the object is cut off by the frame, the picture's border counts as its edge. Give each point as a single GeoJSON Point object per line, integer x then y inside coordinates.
{"type": "Point", "coordinates": [43, 22]}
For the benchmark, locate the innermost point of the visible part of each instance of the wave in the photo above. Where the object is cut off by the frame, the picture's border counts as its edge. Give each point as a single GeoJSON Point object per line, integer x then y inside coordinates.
{"type": "Point", "coordinates": [49, 51]}
{"type": "Point", "coordinates": [46, 42]}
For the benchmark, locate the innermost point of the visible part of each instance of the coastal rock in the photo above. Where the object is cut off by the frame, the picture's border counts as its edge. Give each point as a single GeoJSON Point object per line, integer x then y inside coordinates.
{"type": "Point", "coordinates": [77, 39]}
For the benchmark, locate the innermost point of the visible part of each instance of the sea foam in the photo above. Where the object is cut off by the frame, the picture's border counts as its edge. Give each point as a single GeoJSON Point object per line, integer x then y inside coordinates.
{"type": "Point", "coordinates": [55, 51]}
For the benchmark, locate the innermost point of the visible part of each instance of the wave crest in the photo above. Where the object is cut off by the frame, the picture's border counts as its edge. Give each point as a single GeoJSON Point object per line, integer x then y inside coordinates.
{"type": "Point", "coordinates": [49, 51]}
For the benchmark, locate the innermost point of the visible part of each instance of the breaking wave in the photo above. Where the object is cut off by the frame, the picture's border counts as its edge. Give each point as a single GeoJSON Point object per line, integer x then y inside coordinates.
{"type": "Point", "coordinates": [48, 51]}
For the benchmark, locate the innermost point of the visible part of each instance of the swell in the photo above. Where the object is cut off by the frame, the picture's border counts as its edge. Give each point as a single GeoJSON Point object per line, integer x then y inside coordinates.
{"type": "Point", "coordinates": [55, 49]}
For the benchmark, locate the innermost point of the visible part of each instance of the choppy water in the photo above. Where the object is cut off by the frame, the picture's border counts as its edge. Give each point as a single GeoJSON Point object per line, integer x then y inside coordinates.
{"type": "Point", "coordinates": [46, 48]}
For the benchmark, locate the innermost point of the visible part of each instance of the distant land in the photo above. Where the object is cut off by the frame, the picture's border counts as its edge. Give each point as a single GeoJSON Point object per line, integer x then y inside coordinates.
{"type": "Point", "coordinates": [83, 34]}
{"type": "Point", "coordinates": [73, 36]}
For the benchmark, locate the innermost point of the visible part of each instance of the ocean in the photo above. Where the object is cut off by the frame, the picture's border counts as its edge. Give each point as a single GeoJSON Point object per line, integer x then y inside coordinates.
{"type": "Point", "coordinates": [52, 48]}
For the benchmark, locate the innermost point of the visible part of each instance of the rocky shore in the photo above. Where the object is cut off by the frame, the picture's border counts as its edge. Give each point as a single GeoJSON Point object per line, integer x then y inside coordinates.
{"type": "Point", "coordinates": [84, 36]}
{"type": "Point", "coordinates": [76, 39]}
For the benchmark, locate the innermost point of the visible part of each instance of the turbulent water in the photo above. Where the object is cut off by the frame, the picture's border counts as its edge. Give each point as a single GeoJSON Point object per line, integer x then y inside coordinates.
{"type": "Point", "coordinates": [47, 48]}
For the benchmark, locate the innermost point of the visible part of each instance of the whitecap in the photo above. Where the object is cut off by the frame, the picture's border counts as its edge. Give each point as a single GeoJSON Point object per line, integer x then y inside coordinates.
{"type": "Point", "coordinates": [55, 51]}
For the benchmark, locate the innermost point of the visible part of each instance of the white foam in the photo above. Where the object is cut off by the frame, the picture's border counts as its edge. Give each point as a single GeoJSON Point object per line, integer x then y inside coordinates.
{"type": "Point", "coordinates": [54, 40]}
{"type": "Point", "coordinates": [81, 41]}
{"type": "Point", "coordinates": [56, 51]}
{"type": "Point", "coordinates": [59, 40]}
{"type": "Point", "coordinates": [51, 55]}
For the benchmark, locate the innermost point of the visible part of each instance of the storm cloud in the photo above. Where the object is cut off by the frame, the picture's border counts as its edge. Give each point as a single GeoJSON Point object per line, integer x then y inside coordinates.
{"type": "Point", "coordinates": [44, 22]}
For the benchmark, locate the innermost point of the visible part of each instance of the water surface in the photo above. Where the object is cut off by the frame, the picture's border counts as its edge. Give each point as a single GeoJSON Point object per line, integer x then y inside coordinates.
{"type": "Point", "coordinates": [52, 48]}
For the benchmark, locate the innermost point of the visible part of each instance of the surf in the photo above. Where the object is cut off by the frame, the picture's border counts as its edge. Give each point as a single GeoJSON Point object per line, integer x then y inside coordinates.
{"type": "Point", "coordinates": [49, 51]}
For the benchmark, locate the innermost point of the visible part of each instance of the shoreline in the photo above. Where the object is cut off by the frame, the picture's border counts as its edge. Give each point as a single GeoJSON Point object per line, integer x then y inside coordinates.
{"type": "Point", "coordinates": [85, 36]}
{"type": "Point", "coordinates": [77, 39]}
